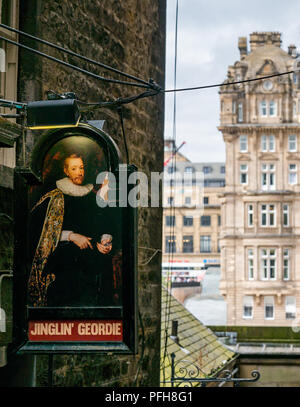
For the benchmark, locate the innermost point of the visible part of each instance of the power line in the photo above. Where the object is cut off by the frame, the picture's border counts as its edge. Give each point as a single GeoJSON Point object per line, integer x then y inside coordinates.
{"type": "Point", "coordinates": [75, 54]}
{"type": "Point", "coordinates": [228, 83]}
{"type": "Point", "coordinates": [140, 85]}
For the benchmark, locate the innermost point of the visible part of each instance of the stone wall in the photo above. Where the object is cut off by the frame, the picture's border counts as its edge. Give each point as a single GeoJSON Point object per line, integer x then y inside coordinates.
{"type": "Point", "coordinates": [129, 36]}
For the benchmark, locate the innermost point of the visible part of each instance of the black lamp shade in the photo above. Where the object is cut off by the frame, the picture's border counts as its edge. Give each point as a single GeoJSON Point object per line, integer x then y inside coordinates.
{"type": "Point", "coordinates": [52, 113]}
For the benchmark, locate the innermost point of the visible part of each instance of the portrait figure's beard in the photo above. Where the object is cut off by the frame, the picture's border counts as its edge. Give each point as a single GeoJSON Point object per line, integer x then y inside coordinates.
{"type": "Point", "coordinates": [78, 180]}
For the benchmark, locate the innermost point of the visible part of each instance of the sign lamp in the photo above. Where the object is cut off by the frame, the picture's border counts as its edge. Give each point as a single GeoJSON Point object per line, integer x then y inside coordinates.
{"type": "Point", "coordinates": [51, 114]}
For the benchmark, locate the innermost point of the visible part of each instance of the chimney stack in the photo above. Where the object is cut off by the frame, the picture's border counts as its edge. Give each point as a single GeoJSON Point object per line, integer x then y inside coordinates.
{"type": "Point", "coordinates": [243, 47]}
{"type": "Point", "coordinates": [292, 50]}
{"type": "Point", "coordinates": [258, 39]}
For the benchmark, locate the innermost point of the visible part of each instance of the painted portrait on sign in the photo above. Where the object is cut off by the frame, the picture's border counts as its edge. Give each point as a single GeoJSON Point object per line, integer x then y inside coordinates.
{"type": "Point", "coordinates": [75, 244]}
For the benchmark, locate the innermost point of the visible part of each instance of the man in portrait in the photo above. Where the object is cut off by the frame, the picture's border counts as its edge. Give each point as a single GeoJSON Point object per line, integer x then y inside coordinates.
{"type": "Point", "coordinates": [73, 257]}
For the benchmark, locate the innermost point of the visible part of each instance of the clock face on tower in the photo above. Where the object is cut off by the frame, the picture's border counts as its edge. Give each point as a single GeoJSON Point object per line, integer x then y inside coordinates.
{"type": "Point", "coordinates": [268, 85]}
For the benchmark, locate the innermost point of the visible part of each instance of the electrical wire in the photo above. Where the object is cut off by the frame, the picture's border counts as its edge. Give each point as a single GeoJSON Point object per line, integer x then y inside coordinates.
{"type": "Point", "coordinates": [115, 103]}
{"type": "Point", "coordinates": [230, 83]}
{"type": "Point", "coordinates": [149, 93]}
{"type": "Point", "coordinates": [76, 68]}
{"type": "Point", "coordinates": [75, 54]}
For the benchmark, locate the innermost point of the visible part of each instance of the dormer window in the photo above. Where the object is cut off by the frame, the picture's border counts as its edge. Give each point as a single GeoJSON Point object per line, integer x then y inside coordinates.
{"type": "Point", "coordinates": [207, 170]}
{"type": "Point", "coordinates": [171, 170]}
{"type": "Point", "coordinates": [189, 170]}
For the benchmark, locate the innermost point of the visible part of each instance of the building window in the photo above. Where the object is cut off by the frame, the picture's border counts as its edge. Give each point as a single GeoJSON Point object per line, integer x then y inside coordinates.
{"type": "Point", "coordinates": [269, 307]}
{"type": "Point", "coordinates": [244, 174]}
{"type": "Point", "coordinates": [290, 307]}
{"type": "Point", "coordinates": [222, 169]}
{"type": "Point", "coordinates": [250, 215]}
{"type": "Point", "coordinates": [250, 264]}
{"type": "Point", "coordinates": [286, 215]}
{"type": "Point", "coordinates": [187, 221]}
{"type": "Point", "coordinates": [268, 215]}
{"type": "Point", "coordinates": [263, 108]}
{"type": "Point", "coordinates": [292, 142]}
{"type": "Point", "coordinates": [273, 108]}
{"type": "Point", "coordinates": [268, 177]}
{"type": "Point", "coordinates": [6, 11]}
{"type": "Point", "coordinates": [295, 78]}
{"type": "Point", "coordinates": [205, 221]}
{"type": "Point", "coordinates": [268, 264]}
{"type": "Point", "coordinates": [189, 170]}
{"type": "Point", "coordinates": [266, 108]}
{"type": "Point", "coordinates": [171, 169]}
{"type": "Point", "coordinates": [170, 200]}
{"type": "Point", "coordinates": [286, 264]}
{"type": "Point", "coordinates": [170, 220]}
{"type": "Point", "coordinates": [219, 220]}
{"type": "Point", "coordinates": [234, 107]}
{"type": "Point", "coordinates": [214, 183]}
{"type": "Point", "coordinates": [207, 170]}
{"type": "Point", "coordinates": [205, 200]}
{"type": "Point", "coordinates": [240, 112]}
{"type": "Point", "coordinates": [267, 143]}
{"type": "Point", "coordinates": [187, 200]}
{"type": "Point", "coordinates": [292, 174]}
{"type": "Point", "coordinates": [243, 143]}
{"type": "Point", "coordinates": [170, 244]}
{"type": "Point", "coordinates": [188, 244]}
{"type": "Point", "coordinates": [248, 306]}
{"type": "Point", "coordinates": [205, 244]}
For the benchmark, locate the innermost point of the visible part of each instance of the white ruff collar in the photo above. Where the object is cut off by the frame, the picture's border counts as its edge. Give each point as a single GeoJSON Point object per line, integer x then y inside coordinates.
{"type": "Point", "coordinates": [67, 187]}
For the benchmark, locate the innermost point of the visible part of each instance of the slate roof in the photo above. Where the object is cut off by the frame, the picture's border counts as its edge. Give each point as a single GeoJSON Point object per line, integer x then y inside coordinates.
{"type": "Point", "coordinates": [198, 349]}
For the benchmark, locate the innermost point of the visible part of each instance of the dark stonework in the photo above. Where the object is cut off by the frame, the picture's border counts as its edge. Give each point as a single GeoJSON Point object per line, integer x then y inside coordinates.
{"type": "Point", "coordinates": [130, 36]}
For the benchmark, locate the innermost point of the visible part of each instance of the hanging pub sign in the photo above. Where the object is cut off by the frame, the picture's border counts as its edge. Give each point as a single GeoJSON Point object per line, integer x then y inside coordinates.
{"type": "Point", "coordinates": [75, 283]}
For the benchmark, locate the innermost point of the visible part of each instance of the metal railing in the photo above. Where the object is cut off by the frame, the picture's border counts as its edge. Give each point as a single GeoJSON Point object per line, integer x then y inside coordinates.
{"type": "Point", "coordinates": [189, 375]}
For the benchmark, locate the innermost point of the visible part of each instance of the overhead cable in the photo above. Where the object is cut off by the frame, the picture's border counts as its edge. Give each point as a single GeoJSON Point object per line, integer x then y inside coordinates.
{"type": "Point", "coordinates": [110, 80]}
{"type": "Point", "coordinates": [75, 54]}
{"type": "Point", "coordinates": [229, 83]}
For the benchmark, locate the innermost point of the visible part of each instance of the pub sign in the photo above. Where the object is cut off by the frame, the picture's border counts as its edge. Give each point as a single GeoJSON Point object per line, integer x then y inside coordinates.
{"type": "Point", "coordinates": [75, 287]}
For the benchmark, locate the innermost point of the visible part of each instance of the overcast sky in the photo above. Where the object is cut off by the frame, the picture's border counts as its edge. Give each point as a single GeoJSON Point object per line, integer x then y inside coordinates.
{"type": "Point", "coordinates": [208, 32]}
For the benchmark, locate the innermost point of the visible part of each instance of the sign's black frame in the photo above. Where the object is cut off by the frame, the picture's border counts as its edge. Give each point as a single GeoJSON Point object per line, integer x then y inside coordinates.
{"type": "Point", "coordinates": [22, 313]}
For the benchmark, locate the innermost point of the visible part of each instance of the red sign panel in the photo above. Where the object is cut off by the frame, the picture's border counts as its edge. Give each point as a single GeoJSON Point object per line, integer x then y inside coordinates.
{"type": "Point", "coordinates": [76, 330]}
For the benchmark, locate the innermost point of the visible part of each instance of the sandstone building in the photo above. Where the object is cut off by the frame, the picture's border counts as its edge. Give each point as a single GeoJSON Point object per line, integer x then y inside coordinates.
{"type": "Point", "coordinates": [260, 206]}
{"type": "Point", "coordinates": [192, 210]}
